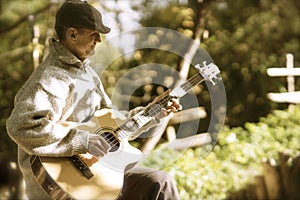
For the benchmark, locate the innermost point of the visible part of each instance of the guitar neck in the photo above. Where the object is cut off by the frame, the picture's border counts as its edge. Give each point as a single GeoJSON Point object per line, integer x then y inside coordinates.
{"type": "Point", "coordinates": [131, 125]}
{"type": "Point", "coordinates": [136, 122]}
{"type": "Point", "coordinates": [183, 89]}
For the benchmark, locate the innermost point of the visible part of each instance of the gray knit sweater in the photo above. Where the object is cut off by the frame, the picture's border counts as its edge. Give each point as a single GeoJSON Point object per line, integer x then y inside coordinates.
{"type": "Point", "coordinates": [62, 88]}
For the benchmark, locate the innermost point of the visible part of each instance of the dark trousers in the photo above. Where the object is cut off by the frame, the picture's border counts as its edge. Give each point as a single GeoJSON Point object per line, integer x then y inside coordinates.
{"type": "Point", "coordinates": [148, 184]}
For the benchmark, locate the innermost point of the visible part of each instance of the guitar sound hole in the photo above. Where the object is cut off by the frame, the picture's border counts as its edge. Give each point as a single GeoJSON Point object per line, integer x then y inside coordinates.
{"type": "Point", "coordinates": [112, 140]}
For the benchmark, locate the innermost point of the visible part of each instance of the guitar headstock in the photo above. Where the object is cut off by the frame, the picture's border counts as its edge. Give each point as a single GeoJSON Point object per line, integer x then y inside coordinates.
{"type": "Point", "coordinates": [209, 72]}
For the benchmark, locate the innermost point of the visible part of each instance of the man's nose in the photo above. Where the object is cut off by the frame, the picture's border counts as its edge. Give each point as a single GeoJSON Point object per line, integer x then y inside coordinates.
{"type": "Point", "coordinates": [97, 37]}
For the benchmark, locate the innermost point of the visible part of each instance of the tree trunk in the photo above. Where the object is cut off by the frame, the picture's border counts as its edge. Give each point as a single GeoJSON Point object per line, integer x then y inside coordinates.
{"type": "Point", "coordinates": [183, 68]}
{"type": "Point", "coordinates": [261, 190]}
{"type": "Point", "coordinates": [272, 180]}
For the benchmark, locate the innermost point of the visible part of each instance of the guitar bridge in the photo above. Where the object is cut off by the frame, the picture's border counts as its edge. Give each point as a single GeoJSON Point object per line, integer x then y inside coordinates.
{"type": "Point", "coordinates": [81, 166]}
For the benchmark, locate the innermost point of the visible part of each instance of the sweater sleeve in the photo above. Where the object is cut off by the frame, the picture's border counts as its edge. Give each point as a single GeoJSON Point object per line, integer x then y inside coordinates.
{"type": "Point", "coordinates": [33, 123]}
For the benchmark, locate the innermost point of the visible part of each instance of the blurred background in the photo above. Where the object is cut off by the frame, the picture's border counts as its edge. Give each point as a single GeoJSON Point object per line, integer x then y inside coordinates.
{"type": "Point", "coordinates": [256, 155]}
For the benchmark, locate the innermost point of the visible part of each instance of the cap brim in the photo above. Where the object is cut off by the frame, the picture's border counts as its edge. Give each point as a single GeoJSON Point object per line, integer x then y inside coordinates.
{"type": "Point", "coordinates": [103, 29]}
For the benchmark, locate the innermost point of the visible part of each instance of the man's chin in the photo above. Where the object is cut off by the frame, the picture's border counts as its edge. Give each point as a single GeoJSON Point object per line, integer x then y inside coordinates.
{"type": "Point", "coordinates": [92, 53]}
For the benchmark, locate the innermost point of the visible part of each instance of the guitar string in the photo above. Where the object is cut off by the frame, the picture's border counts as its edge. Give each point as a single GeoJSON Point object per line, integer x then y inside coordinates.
{"type": "Point", "coordinates": [113, 140]}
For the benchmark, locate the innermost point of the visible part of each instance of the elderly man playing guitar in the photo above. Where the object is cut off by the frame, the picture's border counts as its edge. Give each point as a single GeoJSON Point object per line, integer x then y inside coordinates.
{"type": "Point", "coordinates": [63, 150]}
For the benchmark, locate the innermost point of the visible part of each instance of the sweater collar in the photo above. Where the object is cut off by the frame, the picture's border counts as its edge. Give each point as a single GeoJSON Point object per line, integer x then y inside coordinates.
{"type": "Point", "coordinates": [65, 56]}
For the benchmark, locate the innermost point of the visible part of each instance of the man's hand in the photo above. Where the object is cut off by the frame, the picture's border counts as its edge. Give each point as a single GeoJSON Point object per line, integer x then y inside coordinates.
{"type": "Point", "coordinates": [97, 146]}
{"type": "Point", "coordinates": [172, 106]}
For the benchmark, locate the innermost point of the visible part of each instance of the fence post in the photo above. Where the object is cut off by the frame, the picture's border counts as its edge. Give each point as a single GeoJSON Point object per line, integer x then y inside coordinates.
{"type": "Point", "coordinates": [290, 96]}
{"type": "Point", "coordinates": [290, 79]}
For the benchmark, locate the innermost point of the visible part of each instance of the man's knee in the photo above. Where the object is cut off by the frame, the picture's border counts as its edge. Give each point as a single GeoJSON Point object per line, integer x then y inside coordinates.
{"type": "Point", "coordinates": [146, 183]}
{"type": "Point", "coordinates": [167, 186]}
{"type": "Point", "coordinates": [163, 178]}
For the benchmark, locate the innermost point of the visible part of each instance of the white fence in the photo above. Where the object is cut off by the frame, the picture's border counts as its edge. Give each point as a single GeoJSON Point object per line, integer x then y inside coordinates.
{"type": "Point", "coordinates": [291, 96]}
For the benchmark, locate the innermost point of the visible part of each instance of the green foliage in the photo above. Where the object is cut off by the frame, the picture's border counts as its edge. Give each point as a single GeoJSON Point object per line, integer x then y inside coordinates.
{"type": "Point", "coordinates": [247, 37]}
{"type": "Point", "coordinates": [236, 157]}
{"type": "Point", "coordinates": [16, 53]}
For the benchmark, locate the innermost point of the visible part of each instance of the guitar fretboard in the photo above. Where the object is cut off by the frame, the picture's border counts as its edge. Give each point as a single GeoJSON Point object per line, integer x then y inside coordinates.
{"type": "Point", "coordinates": [187, 86]}
{"type": "Point", "coordinates": [131, 125]}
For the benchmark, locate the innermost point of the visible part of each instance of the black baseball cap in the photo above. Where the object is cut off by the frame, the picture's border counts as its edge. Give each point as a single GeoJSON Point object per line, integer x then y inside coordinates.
{"type": "Point", "coordinates": [79, 14]}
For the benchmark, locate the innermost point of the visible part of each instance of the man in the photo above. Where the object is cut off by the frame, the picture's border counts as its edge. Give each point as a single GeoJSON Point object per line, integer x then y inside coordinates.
{"type": "Point", "coordinates": [65, 88]}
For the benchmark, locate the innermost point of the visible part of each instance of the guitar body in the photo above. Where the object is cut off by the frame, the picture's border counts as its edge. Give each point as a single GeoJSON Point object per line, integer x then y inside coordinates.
{"type": "Point", "coordinates": [62, 180]}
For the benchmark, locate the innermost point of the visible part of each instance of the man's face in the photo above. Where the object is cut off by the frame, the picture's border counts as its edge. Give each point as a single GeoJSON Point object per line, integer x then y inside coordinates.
{"type": "Point", "coordinates": [85, 43]}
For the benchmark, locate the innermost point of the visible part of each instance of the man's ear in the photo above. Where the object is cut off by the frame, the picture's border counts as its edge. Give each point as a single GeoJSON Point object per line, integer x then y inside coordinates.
{"type": "Point", "coordinates": [71, 34]}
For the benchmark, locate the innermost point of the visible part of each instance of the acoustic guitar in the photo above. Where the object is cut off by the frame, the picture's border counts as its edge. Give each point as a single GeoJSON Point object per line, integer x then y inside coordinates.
{"type": "Point", "coordinates": [85, 177]}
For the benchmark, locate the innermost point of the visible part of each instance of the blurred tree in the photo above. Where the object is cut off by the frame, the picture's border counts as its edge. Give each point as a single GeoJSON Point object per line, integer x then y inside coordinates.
{"type": "Point", "coordinates": [246, 38]}
{"type": "Point", "coordinates": [187, 19]}
{"type": "Point", "coordinates": [16, 21]}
